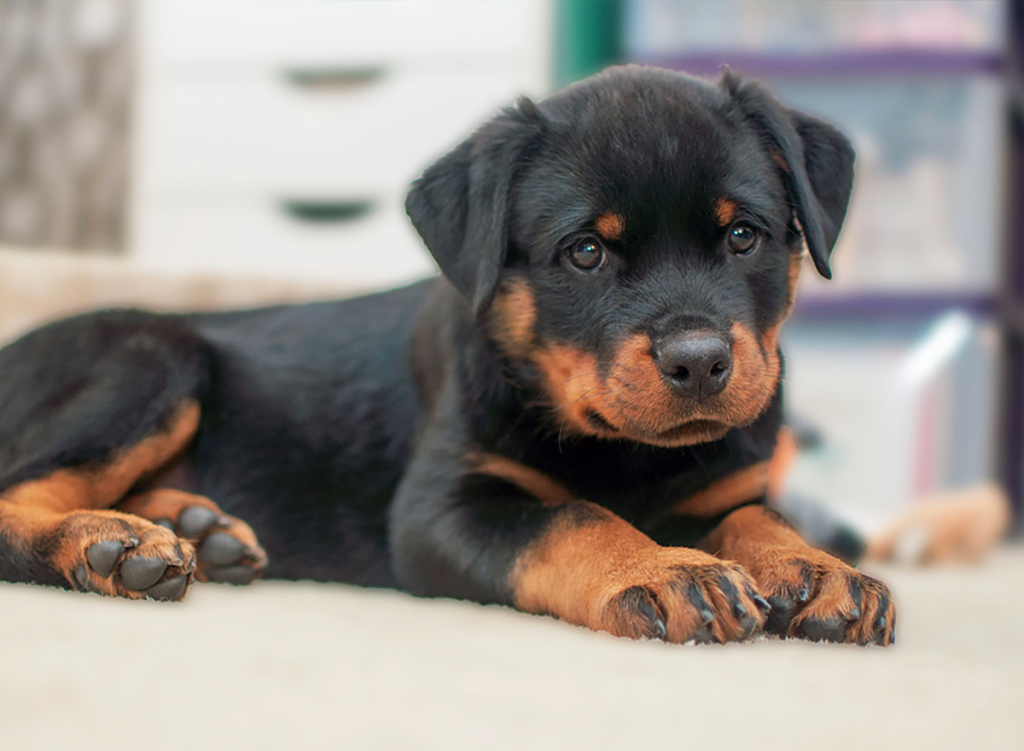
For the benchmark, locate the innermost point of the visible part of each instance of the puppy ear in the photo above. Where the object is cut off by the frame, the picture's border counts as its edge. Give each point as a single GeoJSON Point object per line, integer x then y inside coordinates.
{"type": "Point", "coordinates": [817, 161]}
{"type": "Point", "coordinates": [822, 182]}
{"type": "Point", "coordinates": [460, 205]}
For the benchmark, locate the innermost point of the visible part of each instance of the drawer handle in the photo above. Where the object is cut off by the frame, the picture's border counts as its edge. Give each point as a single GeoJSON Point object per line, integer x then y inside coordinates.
{"type": "Point", "coordinates": [334, 79]}
{"type": "Point", "coordinates": [327, 212]}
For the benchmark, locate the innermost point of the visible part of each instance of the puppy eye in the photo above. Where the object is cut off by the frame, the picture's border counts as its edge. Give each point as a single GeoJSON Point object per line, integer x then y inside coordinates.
{"type": "Point", "coordinates": [743, 239]}
{"type": "Point", "coordinates": [587, 254]}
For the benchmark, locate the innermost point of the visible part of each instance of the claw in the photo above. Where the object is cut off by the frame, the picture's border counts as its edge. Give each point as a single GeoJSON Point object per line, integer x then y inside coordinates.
{"type": "Point", "coordinates": [82, 577]}
{"type": "Point", "coordinates": [660, 629]}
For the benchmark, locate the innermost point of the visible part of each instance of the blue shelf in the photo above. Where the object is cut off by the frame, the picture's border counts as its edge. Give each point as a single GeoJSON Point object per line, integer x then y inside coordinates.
{"type": "Point", "coordinates": [836, 64]}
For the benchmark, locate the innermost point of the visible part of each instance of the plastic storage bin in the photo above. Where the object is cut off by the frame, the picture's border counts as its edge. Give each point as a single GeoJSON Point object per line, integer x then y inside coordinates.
{"type": "Point", "coordinates": [664, 27]}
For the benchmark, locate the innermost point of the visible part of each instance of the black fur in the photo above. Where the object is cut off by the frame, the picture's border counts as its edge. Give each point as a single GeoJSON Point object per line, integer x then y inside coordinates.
{"type": "Point", "coordinates": [340, 431]}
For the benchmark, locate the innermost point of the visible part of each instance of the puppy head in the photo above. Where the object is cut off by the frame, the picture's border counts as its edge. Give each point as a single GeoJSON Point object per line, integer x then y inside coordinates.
{"type": "Point", "coordinates": [632, 244]}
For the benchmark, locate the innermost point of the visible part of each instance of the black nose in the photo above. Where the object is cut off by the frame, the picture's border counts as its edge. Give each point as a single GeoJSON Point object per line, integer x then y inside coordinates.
{"type": "Point", "coordinates": [697, 365]}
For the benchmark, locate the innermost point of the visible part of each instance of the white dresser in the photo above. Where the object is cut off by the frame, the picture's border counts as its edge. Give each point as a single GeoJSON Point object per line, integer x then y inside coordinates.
{"type": "Point", "coordinates": [277, 137]}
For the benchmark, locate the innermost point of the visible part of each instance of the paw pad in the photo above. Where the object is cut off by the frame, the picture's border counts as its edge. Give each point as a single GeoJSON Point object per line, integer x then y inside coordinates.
{"type": "Point", "coordinates": [115, 554]}
{"type": "Point", "coordinates": [103, 556]}
{"type": "Point", "coordinates": [226, 548]}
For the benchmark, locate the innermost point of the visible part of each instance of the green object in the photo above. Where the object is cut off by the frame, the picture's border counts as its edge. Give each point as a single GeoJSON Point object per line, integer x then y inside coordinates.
{"type": "Point", "coordinates": [589, 37]}
{"type": "Point", "coordinates": [327, 211]}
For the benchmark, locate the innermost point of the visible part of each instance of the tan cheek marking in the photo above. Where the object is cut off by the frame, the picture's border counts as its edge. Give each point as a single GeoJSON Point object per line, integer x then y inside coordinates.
{"type": "Point", "coordinates": [756, 367]}
{"type": "Point", "coordinates": [534, 482]}
{"type": "Point", "coordinates": [514, 316]}
{"type": "Point", "coordinates": [746, 485]}
{"type": "Point", "coordinates": [770, 339]}
{"type": "Point", "coordinates": [725, 211]}
{"type": "Point", "coordinates": [91, 488]}
{"type": "Point", "coordinates": [571, 381]}
{"type": "Point", "coordinates": [610, 225]}
{"type": "Point", "coordinates": [638, 387]}
{"type": "Point", "coordinates": [755, 375]}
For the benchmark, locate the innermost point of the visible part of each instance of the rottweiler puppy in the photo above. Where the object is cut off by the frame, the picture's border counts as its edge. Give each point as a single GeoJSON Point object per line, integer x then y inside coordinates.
{"type": "Point", "coordinates": [575, 420]}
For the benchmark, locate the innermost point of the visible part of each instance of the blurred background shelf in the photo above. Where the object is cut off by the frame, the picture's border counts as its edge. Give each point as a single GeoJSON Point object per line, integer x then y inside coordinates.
{"type": "Point", "coordinates": [906, 62]}
{"type": "Point", "coordinates": [878, 304]}
{"type": "Point", "coordinates": [653, 27]}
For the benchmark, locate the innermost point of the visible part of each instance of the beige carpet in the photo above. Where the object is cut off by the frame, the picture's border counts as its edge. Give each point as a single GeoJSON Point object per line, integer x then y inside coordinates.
{"type": "Point", "coordinates": [307, 666]}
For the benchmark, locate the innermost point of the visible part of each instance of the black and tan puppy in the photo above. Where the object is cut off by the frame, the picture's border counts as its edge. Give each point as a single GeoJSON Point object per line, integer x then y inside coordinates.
{"type": "Point", "coordinates": [575, 420]}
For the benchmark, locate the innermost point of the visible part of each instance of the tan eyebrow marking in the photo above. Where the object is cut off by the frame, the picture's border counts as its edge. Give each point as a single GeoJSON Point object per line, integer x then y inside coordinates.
{"type": "Point", "coordinates": [610, 225]}
{"type": "Point", "coordinates": [725, 211]}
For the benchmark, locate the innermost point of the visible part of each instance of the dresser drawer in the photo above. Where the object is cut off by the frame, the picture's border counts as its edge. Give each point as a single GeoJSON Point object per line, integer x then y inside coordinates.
{"type": "Point", "coordinates": [261, 134]}
{"type": "Point", "coordinates": [371, 250]}
{"type": "Point", "coordinates": [229, 34]}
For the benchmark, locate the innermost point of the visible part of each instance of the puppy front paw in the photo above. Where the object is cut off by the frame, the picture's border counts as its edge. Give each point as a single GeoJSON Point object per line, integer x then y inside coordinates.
{"type": "Point", "coordinates": [123, 556]}
{"type": "Point", "coordinates": [226, 547]}
{"type": "Point", "coordinates": [646, 591]}
{"type": "Point", "coordinates": [818, 597]}
{"type": "Point", "coordinates": [685, 596]}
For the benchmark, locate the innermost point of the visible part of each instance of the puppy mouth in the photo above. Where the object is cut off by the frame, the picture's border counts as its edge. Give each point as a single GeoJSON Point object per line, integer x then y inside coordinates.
{"type": "Point", "coordinates": [691, 431]}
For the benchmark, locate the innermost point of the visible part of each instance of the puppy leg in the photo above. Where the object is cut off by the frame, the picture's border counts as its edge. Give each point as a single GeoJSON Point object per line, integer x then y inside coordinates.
{"type": "Point", "coordinates": [226, 547]}
{"type": "Point", "coordinates": [490, 537]}
{"type": "Point", "coordinates": [52, 531]}
{"type": "Point", "coordinates": [592, 568]}
{"type": "Point", "coordinates": [90, 407]}
{"type": "Point", "coordinates": [813, 595]}
{"type": "Point", "coordinates": [93, 551]}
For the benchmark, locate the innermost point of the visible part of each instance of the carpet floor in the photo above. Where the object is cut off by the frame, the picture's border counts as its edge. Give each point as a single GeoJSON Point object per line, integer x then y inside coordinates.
{"type": "Point", "coordinates": [314, 666]}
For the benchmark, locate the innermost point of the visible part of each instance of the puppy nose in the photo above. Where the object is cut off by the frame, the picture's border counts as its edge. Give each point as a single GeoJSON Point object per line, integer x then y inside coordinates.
{"type": "Point", "coordinates": [697, 365]}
